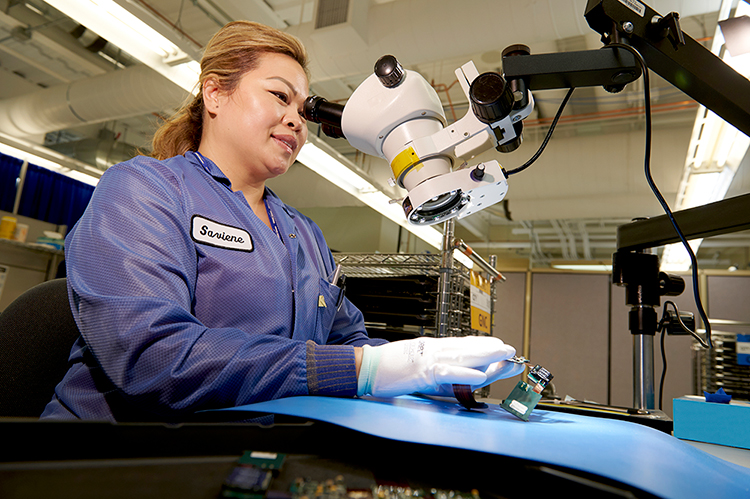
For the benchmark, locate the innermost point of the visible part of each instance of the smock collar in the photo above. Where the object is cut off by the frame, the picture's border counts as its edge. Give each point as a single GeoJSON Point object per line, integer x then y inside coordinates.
{"type": "Point", "coordinates": [200, 161]}
{"type": "Point", "coordinates": [208, 166]}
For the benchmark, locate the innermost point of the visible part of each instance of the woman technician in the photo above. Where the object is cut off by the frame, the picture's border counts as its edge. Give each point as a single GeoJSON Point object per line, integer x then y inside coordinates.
{"type": "Point", "coordinates": [194, 287]}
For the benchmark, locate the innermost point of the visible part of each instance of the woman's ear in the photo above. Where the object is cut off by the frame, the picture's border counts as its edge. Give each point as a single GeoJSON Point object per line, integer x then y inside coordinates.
{"type": "Point", "coordinates": [211, 96]}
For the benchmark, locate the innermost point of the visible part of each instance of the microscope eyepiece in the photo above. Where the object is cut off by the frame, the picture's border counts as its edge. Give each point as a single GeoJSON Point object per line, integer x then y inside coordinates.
{"type": "Point", "coordinates": [515, 143]}
{"type": "Point", "coordinates": [318, 110]}
{"type": "Point", "coordinates": [491, 97]}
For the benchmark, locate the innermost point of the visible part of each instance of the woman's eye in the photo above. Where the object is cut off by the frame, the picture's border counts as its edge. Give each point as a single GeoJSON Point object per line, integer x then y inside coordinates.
{"type": "Point", "coordinates": [281, 95]}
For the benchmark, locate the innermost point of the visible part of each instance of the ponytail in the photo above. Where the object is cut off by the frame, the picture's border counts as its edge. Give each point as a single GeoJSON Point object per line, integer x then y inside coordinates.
{"type": "Point", "coordinates": [180, 133]}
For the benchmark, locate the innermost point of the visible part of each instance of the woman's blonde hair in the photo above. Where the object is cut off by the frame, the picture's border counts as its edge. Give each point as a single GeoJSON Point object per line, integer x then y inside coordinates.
{"type": "Point", "coordinates": [233, 51]}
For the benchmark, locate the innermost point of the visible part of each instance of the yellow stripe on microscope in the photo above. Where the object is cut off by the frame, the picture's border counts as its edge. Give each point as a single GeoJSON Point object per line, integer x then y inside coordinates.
{"type": "Point", "coordinates": [403, 161]}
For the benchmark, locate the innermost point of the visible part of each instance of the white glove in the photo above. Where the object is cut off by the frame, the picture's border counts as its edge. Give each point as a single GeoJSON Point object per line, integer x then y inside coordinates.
{"type": "Point", "coordinates": [501, 370]}
{"type": "Point", "coordinates": [496, 371]}
{"type": "Point", "coordinates": [424, 364]}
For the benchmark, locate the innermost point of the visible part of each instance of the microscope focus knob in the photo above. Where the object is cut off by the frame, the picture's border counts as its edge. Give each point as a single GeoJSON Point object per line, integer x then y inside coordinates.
{"type": "Point", "coordinates": [389, 71]}
{"type": "Point", "coordinates": [491, 97]}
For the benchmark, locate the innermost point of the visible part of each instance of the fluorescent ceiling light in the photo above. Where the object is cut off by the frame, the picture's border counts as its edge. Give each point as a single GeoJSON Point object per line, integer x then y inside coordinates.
{"type": "Point", "coordinates": [715, 152]}
{"type": "Point", "coordinates": [118, 26]}
{"type": "Point", "coordinates": [326, 162]}
{"type": "Point", "coordinates": [701, 190]}
{"type": "Point", "coordinates": [43, 162]}
{"type": "Point", "coordinates": [675, 257]}
{"type": "Point", "coordinates": [582, 265]}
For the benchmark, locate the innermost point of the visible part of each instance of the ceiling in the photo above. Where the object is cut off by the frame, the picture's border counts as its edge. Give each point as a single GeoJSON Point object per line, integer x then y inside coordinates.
{"type": "Point", "coordinates": [566, 206]}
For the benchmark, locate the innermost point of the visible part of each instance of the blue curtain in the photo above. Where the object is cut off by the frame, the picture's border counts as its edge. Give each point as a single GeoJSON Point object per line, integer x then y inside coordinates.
{"type": "Point", "coordinates": [53, 197]}
{"type": "Point", "coordinates": [10, 167]}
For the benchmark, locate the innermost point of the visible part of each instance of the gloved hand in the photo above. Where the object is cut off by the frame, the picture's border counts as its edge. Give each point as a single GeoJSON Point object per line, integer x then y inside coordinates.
{"type": "Point", "coordinates": [431, 365]}
{"type": "Point", "coordinates": [494, 372]}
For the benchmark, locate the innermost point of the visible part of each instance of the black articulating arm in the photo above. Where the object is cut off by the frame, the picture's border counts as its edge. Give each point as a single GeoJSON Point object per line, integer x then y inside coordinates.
{"type": "Point", "coordinates": [674, 56]}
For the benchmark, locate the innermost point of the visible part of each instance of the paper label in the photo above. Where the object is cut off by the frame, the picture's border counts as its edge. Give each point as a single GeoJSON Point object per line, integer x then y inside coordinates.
{"type": "Point", "coordinates": [635, 6]}
{"type": "Point", "coordinates": [743, 349]}
{"type": "Point", "coordinates": [518, 406]}
{"type": "Point", "coordinates": [481, 304]}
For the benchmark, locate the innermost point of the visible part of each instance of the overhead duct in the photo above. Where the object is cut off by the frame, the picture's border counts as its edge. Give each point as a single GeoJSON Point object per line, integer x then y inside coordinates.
{"type": "Point", "coordinates": [103, 151]}
{"type": "Point", "coordinates": [120, 94]}
{"type": "Point", "coordinates": [423, 31]}
{"type": "Point", "coordinates": [340, 26]}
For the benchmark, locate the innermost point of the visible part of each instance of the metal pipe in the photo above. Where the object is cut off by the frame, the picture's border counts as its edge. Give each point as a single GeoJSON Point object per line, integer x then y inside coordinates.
{"type": "Point", "coordinates": [490, 269]}
{"type": "Point", "coordinates": [527, 314]}
{"type": "Point", "coordinates": [19, 188]}
{"type": "Point", "coordinates": [174, 26]}
{"type": "Point", "coordinates": [444, 283]}
{"type": "Point", "coordinates": [493, 296]}
{"type": "Point", "coordinates": [643, 371]}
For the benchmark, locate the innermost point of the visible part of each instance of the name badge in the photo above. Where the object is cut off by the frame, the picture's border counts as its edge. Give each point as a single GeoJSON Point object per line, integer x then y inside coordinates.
{"type": "Point", "coordinates": [207, 231]}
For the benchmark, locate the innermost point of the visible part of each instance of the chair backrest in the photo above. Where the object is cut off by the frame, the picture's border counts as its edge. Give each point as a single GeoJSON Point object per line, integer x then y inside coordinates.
{"type": "Point", "coordinates": [37, 332]}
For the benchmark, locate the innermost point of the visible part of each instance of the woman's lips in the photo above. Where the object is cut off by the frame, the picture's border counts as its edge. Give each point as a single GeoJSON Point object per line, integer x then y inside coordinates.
{"type": "Point", "coordinates": [288, 141]}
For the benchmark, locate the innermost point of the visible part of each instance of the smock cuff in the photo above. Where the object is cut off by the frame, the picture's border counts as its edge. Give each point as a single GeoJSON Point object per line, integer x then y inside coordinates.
{"type": "Point", "coordinates": [331, 370]}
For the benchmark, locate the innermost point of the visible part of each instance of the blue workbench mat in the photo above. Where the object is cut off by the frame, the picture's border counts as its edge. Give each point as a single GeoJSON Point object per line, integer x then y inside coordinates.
{"type": "Point", "coordinates": [627, 452]}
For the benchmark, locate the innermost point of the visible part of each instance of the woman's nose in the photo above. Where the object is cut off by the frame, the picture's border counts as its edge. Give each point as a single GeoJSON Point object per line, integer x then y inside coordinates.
{"type": "Point", "coordinates": [295, 121]}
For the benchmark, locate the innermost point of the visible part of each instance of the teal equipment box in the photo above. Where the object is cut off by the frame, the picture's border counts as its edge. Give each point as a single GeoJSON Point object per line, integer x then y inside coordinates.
{"type": "Point", "coordinates": [709, 422]}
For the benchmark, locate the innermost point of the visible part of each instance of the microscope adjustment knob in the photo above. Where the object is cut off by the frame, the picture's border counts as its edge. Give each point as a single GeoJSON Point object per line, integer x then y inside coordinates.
{"type": "Point", "coordinates": [389, 71]}
{"type": "Point", "coordinates": [515, 143]}
{"type": "Point", "coordinates": [477, 174]}
{"type": "Point", "coordinates": [491, 97]}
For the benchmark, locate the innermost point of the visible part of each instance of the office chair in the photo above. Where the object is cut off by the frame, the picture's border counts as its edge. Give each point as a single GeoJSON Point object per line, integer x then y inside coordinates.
{"type": "Point", "coordinates": [37, 332]}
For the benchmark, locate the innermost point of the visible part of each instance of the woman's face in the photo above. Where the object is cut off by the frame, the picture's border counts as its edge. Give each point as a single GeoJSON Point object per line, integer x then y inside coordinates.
{"type": "Point", "coordinates": [259, 127]}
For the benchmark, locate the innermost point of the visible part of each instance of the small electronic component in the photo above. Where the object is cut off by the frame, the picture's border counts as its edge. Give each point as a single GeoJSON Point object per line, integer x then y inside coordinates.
{"type": "Point", "coordinates": [331, 488]}
{"type": "Point", "coordinates": [398, 492]}
{"type": "Point", "coordinates": [252, 476]}
{"type": "Point", "coordinates": [465, 395]}
{"type": "Point", "coordinates": [307, 488]}
{"type": "Point", "coordinates": [525, 396]}
{"type": "Point", "coordinates": [519, 360]}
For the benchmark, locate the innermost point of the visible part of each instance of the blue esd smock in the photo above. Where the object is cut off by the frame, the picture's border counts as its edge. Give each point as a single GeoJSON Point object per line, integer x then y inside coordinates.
{"type": "Point", "coordinates": [187, 301]}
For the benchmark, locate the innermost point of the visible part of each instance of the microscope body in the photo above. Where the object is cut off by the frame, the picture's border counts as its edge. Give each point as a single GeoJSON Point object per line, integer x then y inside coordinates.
{"type": "Point", "coordinates": [395, 114]}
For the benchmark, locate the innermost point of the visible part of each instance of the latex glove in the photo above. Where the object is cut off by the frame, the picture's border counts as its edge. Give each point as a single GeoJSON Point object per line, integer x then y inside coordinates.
{"type": "Point", "coordinates": [427, 364]}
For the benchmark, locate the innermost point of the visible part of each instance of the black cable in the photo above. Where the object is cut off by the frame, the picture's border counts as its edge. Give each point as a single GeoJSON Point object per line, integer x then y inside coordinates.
{"type": "Point", "coordinates": [546, 138]}
{"type": "Point", "coordinates": [663, 327]}
{"type": "Point", "coordinates": [663, 369]}
{"type": "Point", "coordinates": [657, 193]}
{"type": "Point", "coordinates": [682, 324]}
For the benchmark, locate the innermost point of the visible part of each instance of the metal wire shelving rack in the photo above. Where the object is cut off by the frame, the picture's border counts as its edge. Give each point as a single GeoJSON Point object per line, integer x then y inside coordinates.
{"type": "Point", "coordinates": [720, 367]}
{"type": "Point", "coordinates": [449, 311]}
{"type": "Point", "coordinates": [449, 285]}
